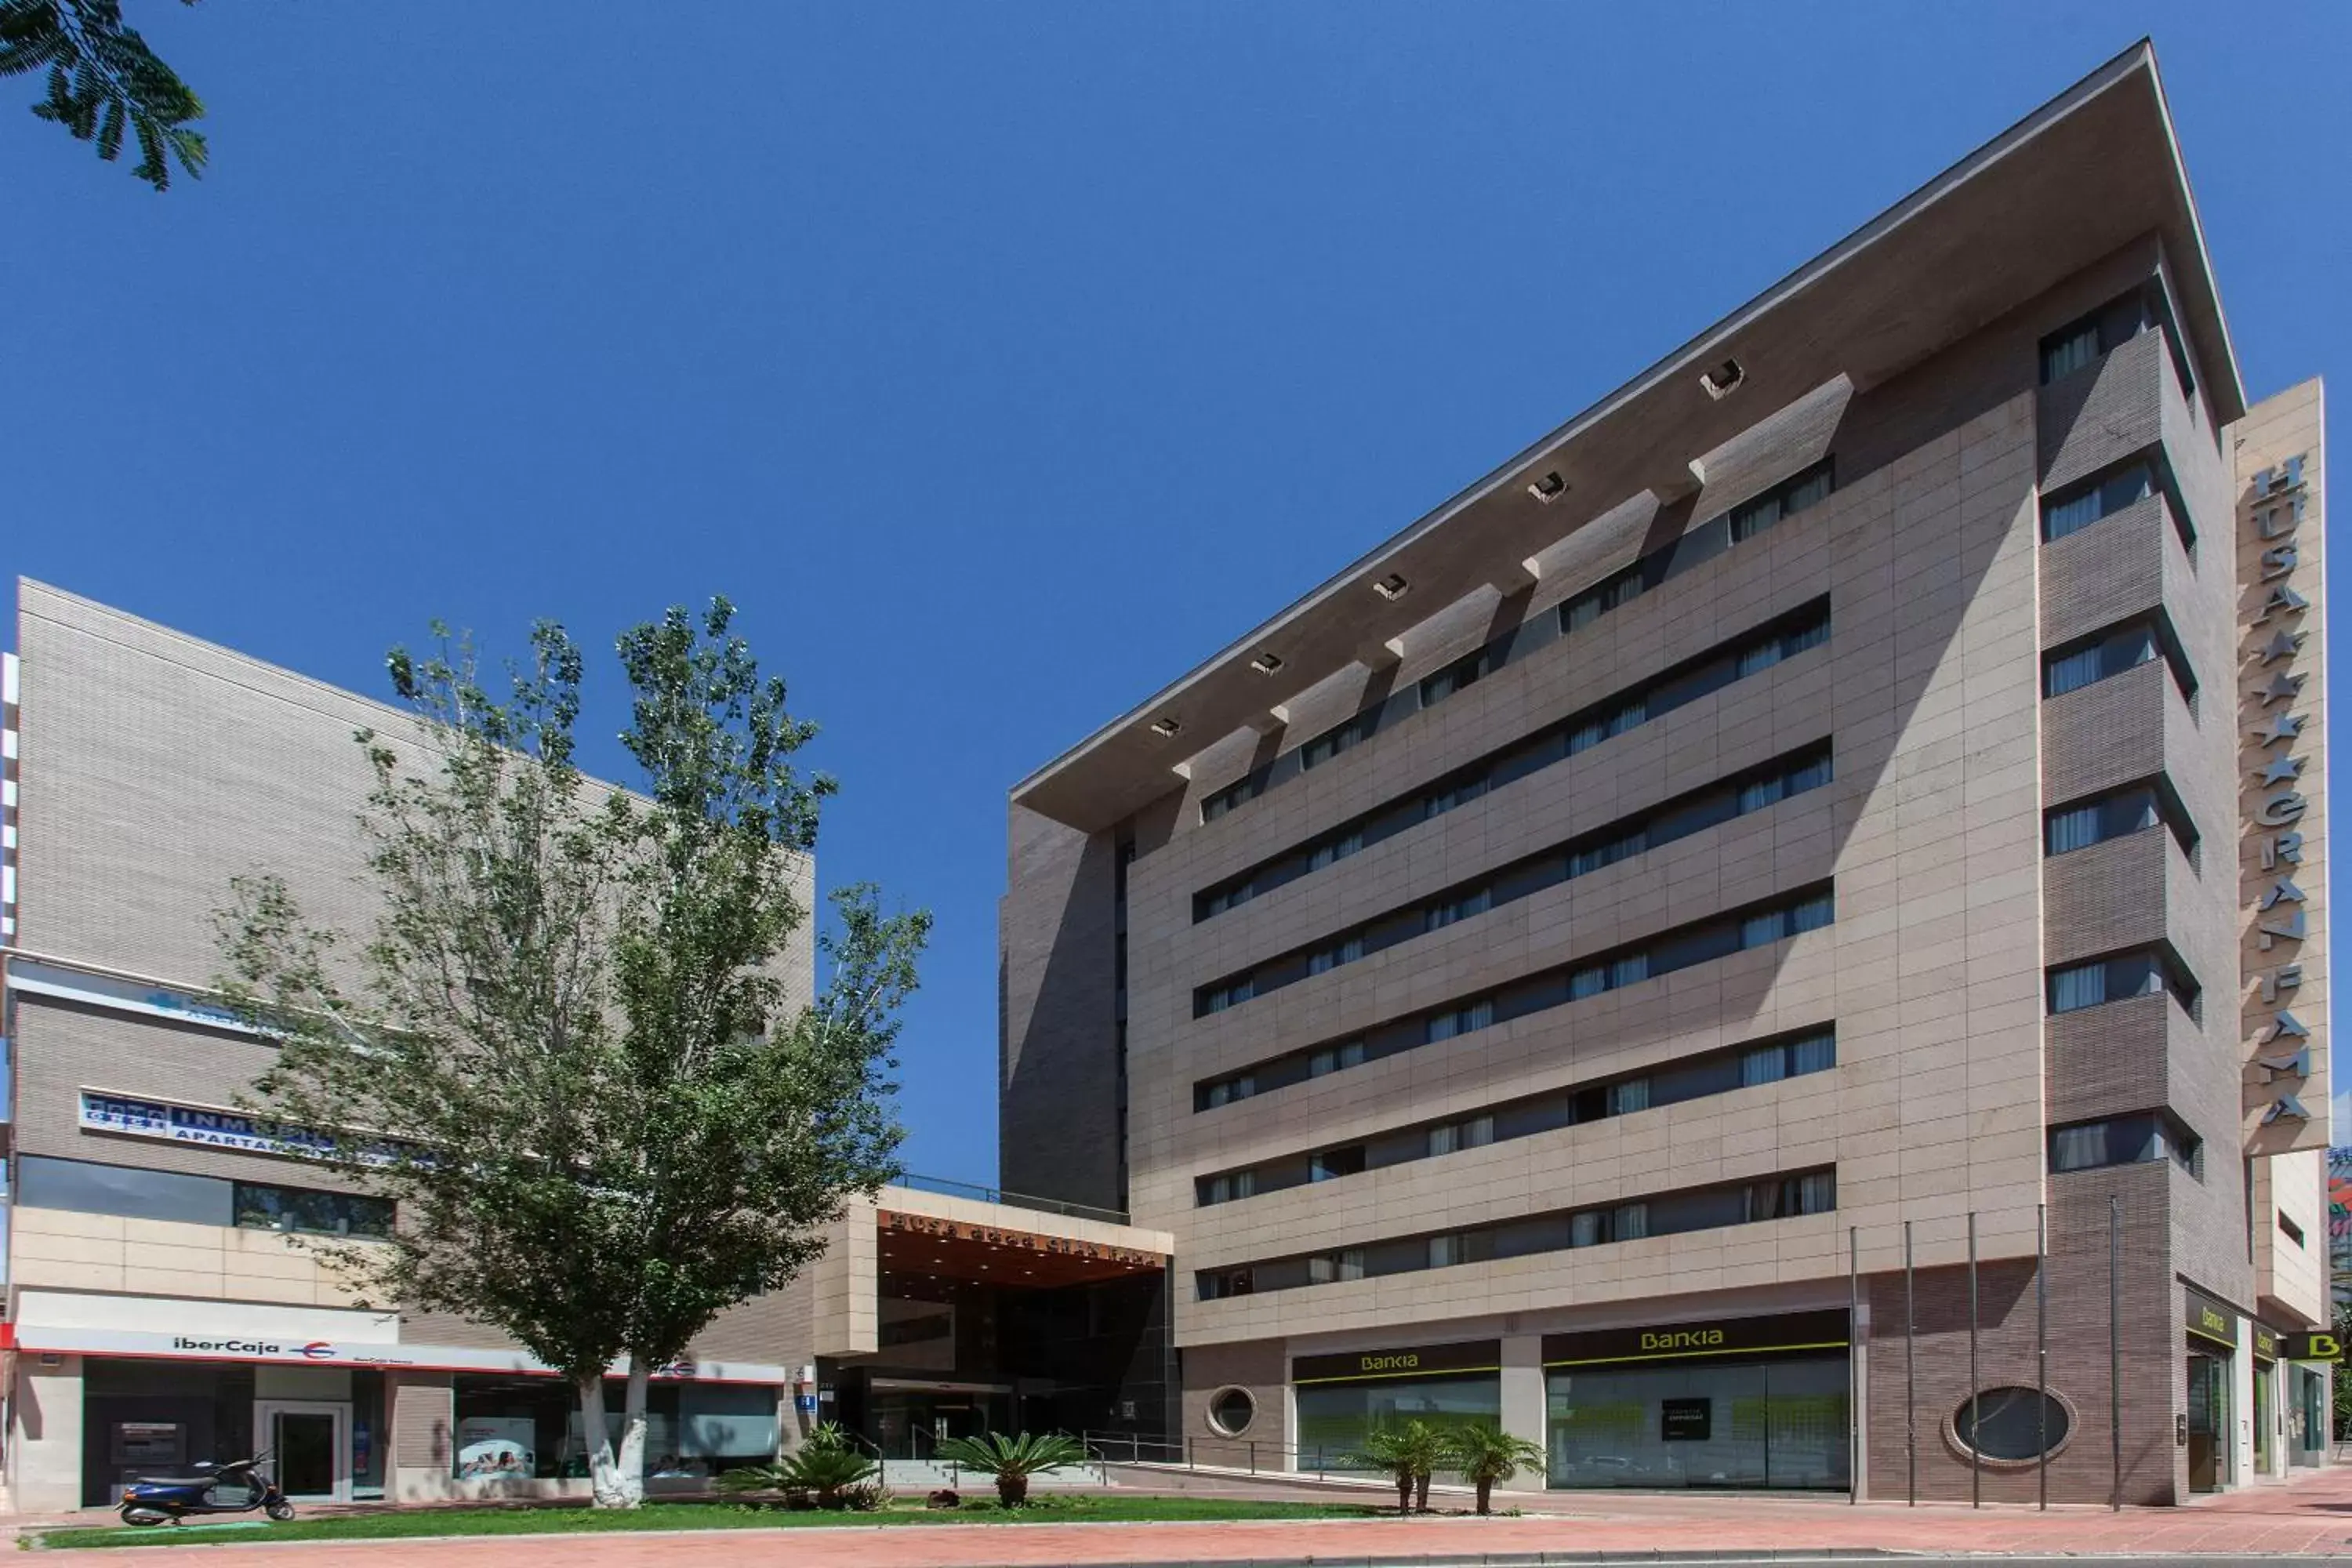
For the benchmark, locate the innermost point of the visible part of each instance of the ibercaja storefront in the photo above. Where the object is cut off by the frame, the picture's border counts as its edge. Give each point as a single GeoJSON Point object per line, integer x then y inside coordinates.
{"type": "Point", "coordinates": [101, 1393]}
{"type": "Point", "coordinates": [1755, 1403]}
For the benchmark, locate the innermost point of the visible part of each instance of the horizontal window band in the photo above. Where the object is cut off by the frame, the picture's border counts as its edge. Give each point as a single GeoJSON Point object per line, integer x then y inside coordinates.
{"type": "Point", "coordinates": [1681, 816]}
{"type": "Point", "coordinates": [1694, 548]}
{"type": "Point", "coordinates": [1751, 652]}
{"type": "Point", "coordinates": [1757, 924]}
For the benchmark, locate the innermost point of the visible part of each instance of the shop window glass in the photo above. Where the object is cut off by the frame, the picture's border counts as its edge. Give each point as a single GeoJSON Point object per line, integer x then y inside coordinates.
{"type": "Point", "coordinates": [126, 1190]}
{"type": "Point", "coordinates": [1334, 1419]}
{"type": "Point", "coordinates": [300, 1209]}
{"type": "Point", "coordinates": [1775, 1425]}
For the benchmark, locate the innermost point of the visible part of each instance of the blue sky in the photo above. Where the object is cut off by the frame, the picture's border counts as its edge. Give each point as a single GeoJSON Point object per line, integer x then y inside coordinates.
{"type": "Point", "coordinates": [1001, 361]}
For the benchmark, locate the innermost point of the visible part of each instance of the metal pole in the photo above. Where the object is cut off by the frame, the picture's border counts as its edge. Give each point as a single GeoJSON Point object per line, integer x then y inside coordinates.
{"type": "Point", "coordinates": [2116, 1351]}
{"type": "Point", "coordinates": [1976, 1457]}
{"type": "Point", "coordinates": [2041, 1349]}
{"type": "Point", "coordinates": [1852, 1362]}
{"type": "Point", "coordinates": [1910, 1377]}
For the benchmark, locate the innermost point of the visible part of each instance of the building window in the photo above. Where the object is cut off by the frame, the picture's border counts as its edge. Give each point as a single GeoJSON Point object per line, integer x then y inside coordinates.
{"type": "Point", "coordinates": [1231, 1411]}
{"type": "Point", "coordinates": [2107, 654]}
{"type": "Point", "coordinates": [1333, 1163]}
{"type": "Point", "coordinates": [2116, 815]}
{"type": "Point", "coordinates": [300, 1209]}
{"type": "Point", "coordinates": [2076, 507]}
{"type": "Point", "coordinates": [1786, 499]}
{"type": "Point", "coordinates": [1215, 805]}
{"type": "Point", "coordinates": [2011, 1424]}
{"type": "Point", "coordinates": [1331, 742]}
{"type": "Point", "coordinates": [1462, 672]}
{"type": "Point", "coordinates": [1339, 953]}
{"type": "Point", "coordinates": [1233, 994]}
{"type": "Point", "coordinates": [1333, 849]}
{"type": "Point", "coordinates": [2141, 1139]}
{"type": "Point", "coordinates": [1459, 908]}
{"type": "Point", "coordinates": [1464, 1020]}
{"type": "Point", "coordinates": [2102, 980]}
{"type": "Point", "coordinates": [2069, 349]}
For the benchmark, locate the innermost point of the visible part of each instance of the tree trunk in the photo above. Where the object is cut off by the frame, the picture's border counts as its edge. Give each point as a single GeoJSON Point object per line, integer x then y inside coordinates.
{"type": "Point", "coordinates": [603, 1474]}
{"type": "Point", "coordinates": [631, 1458]}
{"type": "Point", "coordinates": [1012, 1492]}
{"type": "Point", "coordinates": [1420, 1492]}
{"type": "Point", "coordinates": [1485, 1495]}
{"type": "Point", "coordinates": [1405, 1493]}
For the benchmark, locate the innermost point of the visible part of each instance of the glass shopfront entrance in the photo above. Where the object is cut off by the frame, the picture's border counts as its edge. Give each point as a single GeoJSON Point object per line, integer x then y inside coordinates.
{"type": "Point", "coordinates": [1341, 1398]}
{"type": "Point", "coordinates": [910, 1419]}
{"type": "Point", "coordinates": [1759, 1403]}
{"type": "Point", "coordinates": [2213, 1352]}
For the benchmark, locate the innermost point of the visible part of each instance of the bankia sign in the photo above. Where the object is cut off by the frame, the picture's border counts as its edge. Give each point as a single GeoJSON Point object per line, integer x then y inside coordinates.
{"type": "Point", "coordinates": [2282, 861]}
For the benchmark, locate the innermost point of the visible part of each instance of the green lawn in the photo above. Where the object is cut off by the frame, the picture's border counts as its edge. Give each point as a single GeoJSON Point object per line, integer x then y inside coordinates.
{"type": "Point", "coordinates": [559, 1520]}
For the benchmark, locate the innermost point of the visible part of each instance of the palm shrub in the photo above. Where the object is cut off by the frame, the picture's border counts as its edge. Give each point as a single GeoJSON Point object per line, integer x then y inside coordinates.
{"type": "Point", "coordinates": [1409, 1452]}
{"type": "Point", "coordinates": [1013, 1457]}
{"type": "Point", "coordinates": [825, 1472]}
{"type": "Point", "coordinates": [1484, 1454]}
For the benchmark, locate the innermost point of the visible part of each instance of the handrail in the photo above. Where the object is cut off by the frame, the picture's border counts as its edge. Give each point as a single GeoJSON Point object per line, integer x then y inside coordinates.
{"type": "Point", "coordinates": [1243, 1453]}
{"type": "Point", "coordinates": [947, 1187]}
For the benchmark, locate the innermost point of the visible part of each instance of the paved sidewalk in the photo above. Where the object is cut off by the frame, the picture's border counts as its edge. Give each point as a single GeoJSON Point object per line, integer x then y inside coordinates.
{"type": "Point", "coordinates": [2313, 1516]}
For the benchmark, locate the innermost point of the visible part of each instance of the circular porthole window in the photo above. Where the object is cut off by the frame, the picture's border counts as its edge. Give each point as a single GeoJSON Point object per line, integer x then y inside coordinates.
{"type": "Point", "coordinates": [1231, 1411]}
{"type": "Point", "coordinates": [2012, 1425]}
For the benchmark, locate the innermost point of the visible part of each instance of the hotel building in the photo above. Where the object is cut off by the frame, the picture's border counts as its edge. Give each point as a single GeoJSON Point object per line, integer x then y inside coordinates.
{"type": "Point", "coordinates": [1805, 887]}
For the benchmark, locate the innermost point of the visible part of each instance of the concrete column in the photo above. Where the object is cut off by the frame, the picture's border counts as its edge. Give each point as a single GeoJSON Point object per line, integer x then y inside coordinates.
{"type": "Point", "coordinates": [1522, 1402]}
{"type": "Point", "coordinates": [45, 1447]}
{"type": "Point", "coordinates": [421, 1412]}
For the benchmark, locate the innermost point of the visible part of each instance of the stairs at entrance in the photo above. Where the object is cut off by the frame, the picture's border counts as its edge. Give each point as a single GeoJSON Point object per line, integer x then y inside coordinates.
{"type": "Point", "coordinates": [916, 1477]}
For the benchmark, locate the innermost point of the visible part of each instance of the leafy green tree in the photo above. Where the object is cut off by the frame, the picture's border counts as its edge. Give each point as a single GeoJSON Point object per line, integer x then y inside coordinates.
{"type": "Point", "coordinates": [1485, 1455]}
{"type": "Point", "coordinates": [1410, 1452]}
{"type": "Point", "coordinates": [566, 1048]}
{"type": "Point", "coordinates": [1012, 1458]}
{"type": "Point", "coordinates": [104, 81]}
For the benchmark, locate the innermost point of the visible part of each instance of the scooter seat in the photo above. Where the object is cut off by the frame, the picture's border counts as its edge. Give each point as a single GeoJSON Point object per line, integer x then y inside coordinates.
{"type": "Point", "coordinates": [176, 1480]}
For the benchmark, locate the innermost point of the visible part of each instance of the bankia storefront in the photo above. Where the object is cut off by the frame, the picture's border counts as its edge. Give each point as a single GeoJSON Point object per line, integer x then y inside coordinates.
{"type": "Point", "coordinates": [1737, 1402]}
{"type": "Point", "coordinates": [1758, 1402]}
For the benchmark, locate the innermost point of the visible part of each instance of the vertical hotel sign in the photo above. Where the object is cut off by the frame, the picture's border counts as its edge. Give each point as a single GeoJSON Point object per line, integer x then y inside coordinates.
{"type": "Point", "coordinates": [8, 799]}
{"type": "Point", "coordinates": [2281, 782]}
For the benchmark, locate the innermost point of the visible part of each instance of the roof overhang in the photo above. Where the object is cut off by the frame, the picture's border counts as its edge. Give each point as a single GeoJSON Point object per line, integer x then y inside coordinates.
{"type": "Point", "coordinates": [2090, 172]}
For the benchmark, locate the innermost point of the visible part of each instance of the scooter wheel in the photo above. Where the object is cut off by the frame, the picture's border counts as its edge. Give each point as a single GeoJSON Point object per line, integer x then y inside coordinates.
{"type": "Point", "coordinates": [281, 1511]}
{"type": "Point", "coordinates": [145, 1516]}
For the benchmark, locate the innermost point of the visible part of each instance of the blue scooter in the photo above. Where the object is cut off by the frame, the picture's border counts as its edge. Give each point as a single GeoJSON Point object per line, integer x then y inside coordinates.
{"type": "Point", "coordinates": [237, 1486]}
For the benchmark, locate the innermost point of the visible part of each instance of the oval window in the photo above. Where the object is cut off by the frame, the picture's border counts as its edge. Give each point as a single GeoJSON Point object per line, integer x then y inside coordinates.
{"type": "Point", "coordinates": [2007, 1427]}
{"type": "Point", "coordinates": [1231, 1410]}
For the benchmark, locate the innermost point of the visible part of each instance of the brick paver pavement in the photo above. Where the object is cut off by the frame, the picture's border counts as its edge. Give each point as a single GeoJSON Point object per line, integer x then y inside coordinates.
{"type": "Point", "coordinates": [2313, 1515]}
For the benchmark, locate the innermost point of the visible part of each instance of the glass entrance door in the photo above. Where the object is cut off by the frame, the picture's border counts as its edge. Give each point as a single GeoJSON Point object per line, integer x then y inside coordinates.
{"type": "Point", "coordinates": [2209, 1423]}
{"type": "Point", "coordinates": [911, 1423]}
{"type": "Point", "coordinates": [310, 1445]}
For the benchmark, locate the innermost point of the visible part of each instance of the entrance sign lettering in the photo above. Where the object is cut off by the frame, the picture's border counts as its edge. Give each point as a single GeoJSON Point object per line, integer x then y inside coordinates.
{"type": "Point", "coordinates": [1782, 1333]}
{"type": "Point", "coordinates": [1465, 1358]}
{"type": "Point", "coordinates": [1022, 1240]}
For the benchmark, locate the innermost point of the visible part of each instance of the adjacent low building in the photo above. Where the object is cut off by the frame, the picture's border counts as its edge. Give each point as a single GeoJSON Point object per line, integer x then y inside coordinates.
{"type": "Point", "coordinates": [164, 1301]}
{"type": "Point", "coordinates": [1802, 889]}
